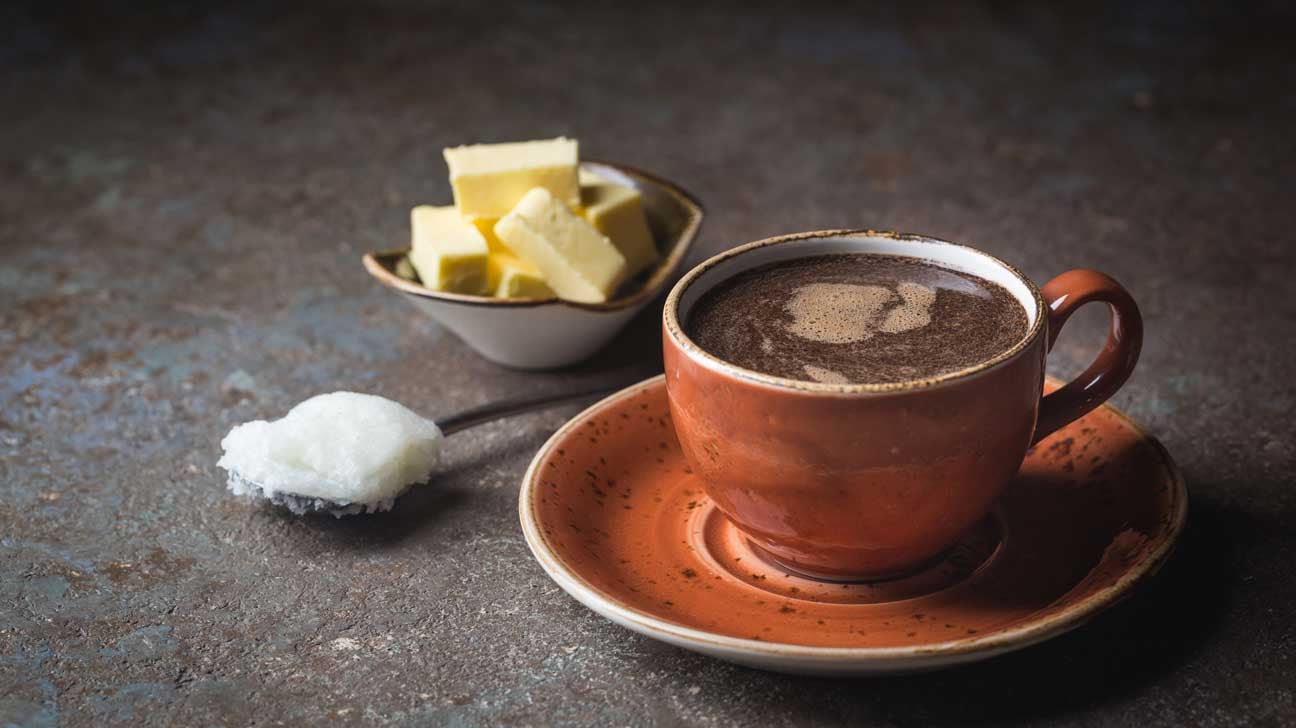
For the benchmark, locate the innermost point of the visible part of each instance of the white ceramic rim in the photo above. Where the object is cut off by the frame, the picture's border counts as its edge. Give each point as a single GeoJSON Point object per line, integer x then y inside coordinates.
{"type": "Point", "coordinates": [937, 654]}
{"type": "Point", "coordinates": [723, 266]}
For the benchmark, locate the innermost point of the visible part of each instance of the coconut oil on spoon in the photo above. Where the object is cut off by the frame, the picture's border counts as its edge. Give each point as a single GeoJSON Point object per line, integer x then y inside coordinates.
{"type": "Point", "coordinates": [346, 453]}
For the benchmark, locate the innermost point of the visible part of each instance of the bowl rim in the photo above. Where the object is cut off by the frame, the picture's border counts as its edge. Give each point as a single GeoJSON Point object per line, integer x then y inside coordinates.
{"type": "Point", "coordinates": [652, 287]}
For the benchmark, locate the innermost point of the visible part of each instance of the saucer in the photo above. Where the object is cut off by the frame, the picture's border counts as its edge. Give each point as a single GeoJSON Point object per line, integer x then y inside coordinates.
{"type": "Point", "coordinates": [613, 513]}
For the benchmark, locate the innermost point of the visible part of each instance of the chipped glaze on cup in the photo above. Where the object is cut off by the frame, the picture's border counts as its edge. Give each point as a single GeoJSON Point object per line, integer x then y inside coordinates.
{"type": "Point", "coordinates": [869, 481]}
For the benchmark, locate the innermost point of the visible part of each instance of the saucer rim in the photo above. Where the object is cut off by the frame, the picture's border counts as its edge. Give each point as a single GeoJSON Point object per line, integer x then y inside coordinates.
{"type": "Point", "coordinates": [1027, 632]}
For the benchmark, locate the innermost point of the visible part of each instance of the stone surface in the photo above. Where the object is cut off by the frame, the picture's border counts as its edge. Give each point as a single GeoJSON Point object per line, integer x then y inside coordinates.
{"type": "Point", "coordinates": [187, 192]}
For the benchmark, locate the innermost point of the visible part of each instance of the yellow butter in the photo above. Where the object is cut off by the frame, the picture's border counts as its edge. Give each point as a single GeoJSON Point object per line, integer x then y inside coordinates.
{"type": "Point", "coordinates": [508, 276]}
{"type": "Point", "coordinates": [617, 212]}
{"type": "Point", "coordinates": [511, 277]}
{"type": "Point", "coordinates": [489, 179]}
{"type": "Point", "coordinates": [577, 261]}
{"type": "Point", "coordinates": [486, 226]}
{"type": "Point", "coordinates": [449, 254]}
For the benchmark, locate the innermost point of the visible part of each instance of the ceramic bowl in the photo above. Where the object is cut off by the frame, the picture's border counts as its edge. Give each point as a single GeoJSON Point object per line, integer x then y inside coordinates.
{"type": "Point", "coordinates": [543, 333]}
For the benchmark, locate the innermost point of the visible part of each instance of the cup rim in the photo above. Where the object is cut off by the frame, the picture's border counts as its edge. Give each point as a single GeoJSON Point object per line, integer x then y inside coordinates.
{"type": "Point", "coordinates": [674, 330]}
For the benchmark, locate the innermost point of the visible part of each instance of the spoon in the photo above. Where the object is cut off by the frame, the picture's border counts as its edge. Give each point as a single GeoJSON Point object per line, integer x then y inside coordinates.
{"type": "Point", "coordinates": [469, 418]}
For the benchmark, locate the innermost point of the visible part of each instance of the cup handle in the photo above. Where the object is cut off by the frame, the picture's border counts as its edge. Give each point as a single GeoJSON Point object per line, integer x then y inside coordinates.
{"type": "Point", "coordinates": [1064, 294]}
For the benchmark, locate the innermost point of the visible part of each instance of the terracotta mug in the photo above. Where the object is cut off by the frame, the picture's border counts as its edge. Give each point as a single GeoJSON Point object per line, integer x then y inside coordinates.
{"type": "Point", "coordinates": [869, 481]}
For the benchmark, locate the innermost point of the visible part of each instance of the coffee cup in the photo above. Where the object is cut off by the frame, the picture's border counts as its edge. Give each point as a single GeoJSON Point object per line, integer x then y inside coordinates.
{"type": "Point", "coordinates": [871, 481]}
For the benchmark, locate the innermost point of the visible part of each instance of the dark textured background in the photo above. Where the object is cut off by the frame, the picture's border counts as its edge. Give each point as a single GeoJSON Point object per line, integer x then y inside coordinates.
{"type": "Point", "coordinates": [185, 196]}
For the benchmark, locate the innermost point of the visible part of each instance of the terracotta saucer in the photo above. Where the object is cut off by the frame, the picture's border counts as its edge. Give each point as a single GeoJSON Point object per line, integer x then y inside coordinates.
{"type": "Point", "coordinates": [614, 515]}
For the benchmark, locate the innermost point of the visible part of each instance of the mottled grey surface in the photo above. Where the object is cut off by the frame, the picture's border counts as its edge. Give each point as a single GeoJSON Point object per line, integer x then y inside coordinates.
{"type": "Point", "coordinates": [187, 192]}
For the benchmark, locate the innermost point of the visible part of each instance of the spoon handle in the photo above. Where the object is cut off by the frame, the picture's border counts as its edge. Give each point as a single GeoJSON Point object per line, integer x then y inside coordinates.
{"type": "Point", "coordinates": [515, 406]}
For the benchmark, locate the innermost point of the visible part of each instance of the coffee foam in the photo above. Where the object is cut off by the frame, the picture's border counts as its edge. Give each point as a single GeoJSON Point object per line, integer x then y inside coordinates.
{"type": "Point", "coordinates": [826, 376]}
{"type": "Point", "coordinates": [846, 313]}
{"type": "Point", "coordinates": [855, 317]}
{"type": "Point", "coordinates": [915, 310]}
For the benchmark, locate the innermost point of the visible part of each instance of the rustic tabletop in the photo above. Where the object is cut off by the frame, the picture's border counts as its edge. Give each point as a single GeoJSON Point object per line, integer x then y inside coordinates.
{"type": "Point", "coordinates": [186, 196]}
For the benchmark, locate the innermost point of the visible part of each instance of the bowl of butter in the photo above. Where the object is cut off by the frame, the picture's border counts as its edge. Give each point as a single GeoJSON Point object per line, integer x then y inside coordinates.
{"type": "Point", "coordinates": [543, 257]}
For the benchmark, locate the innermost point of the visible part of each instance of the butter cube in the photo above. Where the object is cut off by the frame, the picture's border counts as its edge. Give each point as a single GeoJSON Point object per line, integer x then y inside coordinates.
{"type": "Point", "coordinates": [489, 179]}
{"type": "Point", "coordinates": [508, 276]}
{"type": "Point", "coordinates": [511, 277]}
{"type": "Point", "coordinates": [577, 261]}
{"type": "Point", "coordinates": [617, 212]}
{"type": "Point", "coordinates": [449, 254]}
{"type": "Point", "coordinates": [486, 226]}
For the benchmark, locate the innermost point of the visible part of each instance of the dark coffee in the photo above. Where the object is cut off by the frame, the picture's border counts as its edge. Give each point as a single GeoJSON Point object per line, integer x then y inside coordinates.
{"type": "Point", "coordinates": [856, 318]}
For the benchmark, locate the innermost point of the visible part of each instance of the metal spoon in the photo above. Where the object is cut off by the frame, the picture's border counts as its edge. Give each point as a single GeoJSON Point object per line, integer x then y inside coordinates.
{"type": "Point", "coordinates": [302, 504]}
